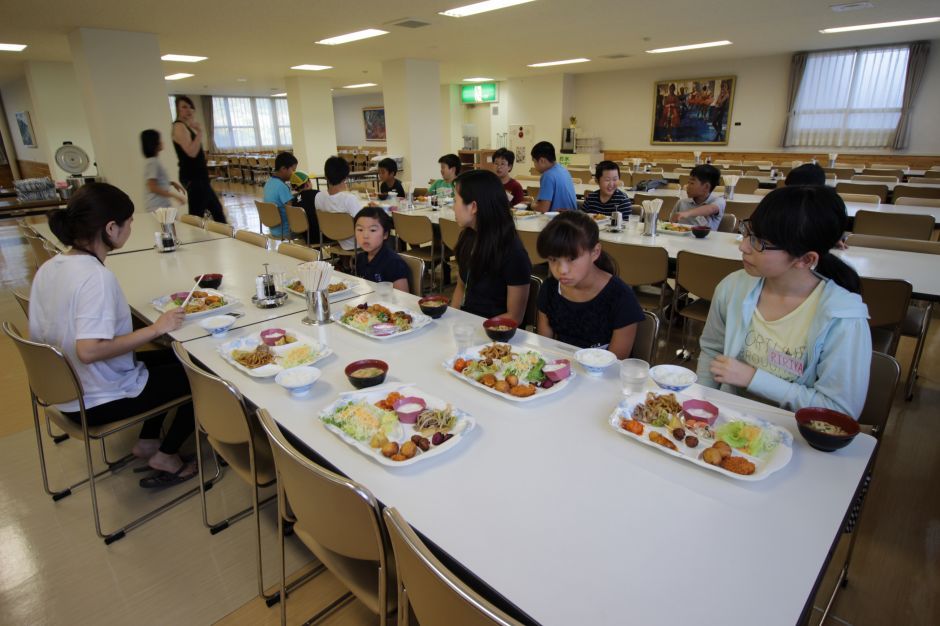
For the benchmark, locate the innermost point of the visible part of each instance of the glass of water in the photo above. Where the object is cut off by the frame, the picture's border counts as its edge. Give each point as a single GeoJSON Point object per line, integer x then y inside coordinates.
{"type": "Point", "coordinates": [633, 374]}
{"type": "Point", "coordinates": [463, 336]}
{"type": "Point", "coordinates": [384, 291]}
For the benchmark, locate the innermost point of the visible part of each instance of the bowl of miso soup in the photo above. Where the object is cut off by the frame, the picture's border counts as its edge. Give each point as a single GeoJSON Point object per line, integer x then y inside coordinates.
{"type": "Point", "coordinates": [366, 373]}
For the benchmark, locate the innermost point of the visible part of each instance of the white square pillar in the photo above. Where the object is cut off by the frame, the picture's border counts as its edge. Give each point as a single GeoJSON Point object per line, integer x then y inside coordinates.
{"type": "Point", "coordinates": [312, 127]}
{"type": "Point", "coordinates": [412, 93]}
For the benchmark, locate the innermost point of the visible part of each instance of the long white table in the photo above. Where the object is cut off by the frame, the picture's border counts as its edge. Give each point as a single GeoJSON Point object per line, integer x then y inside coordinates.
{"type": "Point", "coordinates": [142, 230]}
{"type": "Point", "coordinates": [565, 518]}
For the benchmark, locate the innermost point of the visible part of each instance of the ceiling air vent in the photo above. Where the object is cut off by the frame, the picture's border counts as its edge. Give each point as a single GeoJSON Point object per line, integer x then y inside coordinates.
{"type": "Point", "coordinates": [411, 23]}
{"type": "Point", "coordinates": [850, 6]}
{"type": "Point", "coordinates": [614, 56]}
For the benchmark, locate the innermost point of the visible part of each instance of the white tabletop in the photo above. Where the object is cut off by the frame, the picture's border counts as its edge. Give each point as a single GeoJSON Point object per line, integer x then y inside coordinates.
{"type": "Point", "coordinates": [142, 230]}
{"type": "Point", "coordinates": [145, 276]}
{"type": "Point", "coordinates": [566, 518]}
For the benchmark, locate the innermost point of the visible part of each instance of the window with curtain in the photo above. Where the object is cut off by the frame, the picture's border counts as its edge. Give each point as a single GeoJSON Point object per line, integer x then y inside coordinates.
{"type": "Point", "coordinates": [850, 98]}
{"type": "Point", "coordinates": [250, 123]}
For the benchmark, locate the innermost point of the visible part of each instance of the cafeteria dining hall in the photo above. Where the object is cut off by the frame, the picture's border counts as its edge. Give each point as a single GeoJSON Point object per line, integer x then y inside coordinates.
{"type": "Point", "coordinates": [508, 312]}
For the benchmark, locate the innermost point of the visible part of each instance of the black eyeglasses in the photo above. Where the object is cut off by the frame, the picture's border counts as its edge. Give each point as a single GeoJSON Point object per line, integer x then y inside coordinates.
{"type": "Point", "coordinates": [753, 240]}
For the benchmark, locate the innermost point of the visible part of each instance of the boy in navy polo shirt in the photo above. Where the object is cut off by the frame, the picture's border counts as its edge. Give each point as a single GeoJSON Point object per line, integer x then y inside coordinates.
{"type": "Point", "coordinates": [377, 261]}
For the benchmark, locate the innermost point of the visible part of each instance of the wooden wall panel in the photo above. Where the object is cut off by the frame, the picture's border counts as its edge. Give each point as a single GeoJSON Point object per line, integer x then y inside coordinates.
{"type": "Point", "coordinates": [33, 169]}
{"type": "Point", "coordinates": [781, 158]}
{"type": "Point", "coordinates": [6, 176]}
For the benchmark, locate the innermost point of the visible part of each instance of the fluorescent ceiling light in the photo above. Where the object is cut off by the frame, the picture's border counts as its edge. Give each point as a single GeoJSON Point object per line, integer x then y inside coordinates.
{"type": "Point", "coordinates": [182, 58]}
{"type": "Point", "coordinates": [356, 36]}
{"type": "Point", "coordinates": [565, 62]}
{"type": "Point", "coordinates": [279, 95]}
{"type": "Point", "coordinates": [312, 68]}
{"type": "Point", "coordinates": [846, 29]}
{"type": "Point", "coordinates": [177, 76]}
{"type": "Point", "coordinates": [12, 47]}
{"type": "Point", "coordinates": [482, 7]}
{"type": "Point", "coordinates": [694, 46]}
{"type": "Point", "coordinates": [478, 80]}
{"type": "Point", "coordinates": [359, 85]}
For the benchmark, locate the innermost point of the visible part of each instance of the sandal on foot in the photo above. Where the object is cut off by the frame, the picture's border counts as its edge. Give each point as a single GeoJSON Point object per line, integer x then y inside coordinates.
{"type": "Point", "coordinates": [168, 479]}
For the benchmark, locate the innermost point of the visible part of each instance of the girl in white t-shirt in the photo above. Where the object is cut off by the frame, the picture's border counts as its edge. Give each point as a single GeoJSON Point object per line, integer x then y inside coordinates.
{"type": "Point", "coordinates": [77, 305]}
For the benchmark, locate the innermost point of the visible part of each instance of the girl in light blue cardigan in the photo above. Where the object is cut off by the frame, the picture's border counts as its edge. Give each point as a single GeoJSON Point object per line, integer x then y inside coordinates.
{"type": "Point", "coordinates": [791, 327]}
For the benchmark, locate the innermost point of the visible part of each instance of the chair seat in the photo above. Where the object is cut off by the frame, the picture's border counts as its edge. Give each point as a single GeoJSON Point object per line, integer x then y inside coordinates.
{"type": "Point", "coordinates": [648, 301]}
{"type": "Point", "coordinates": [423, 253]}
{"type": "Point", "coordinates": [74, 429]}
{"type": "Point", "coordinates": [697, 310]}
{"type": "Point", "coordinates": [236, 455]}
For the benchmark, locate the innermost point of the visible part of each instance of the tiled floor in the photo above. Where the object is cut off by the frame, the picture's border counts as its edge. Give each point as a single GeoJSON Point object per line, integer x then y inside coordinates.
{"type": "Point", "coordinates": [54, 570]}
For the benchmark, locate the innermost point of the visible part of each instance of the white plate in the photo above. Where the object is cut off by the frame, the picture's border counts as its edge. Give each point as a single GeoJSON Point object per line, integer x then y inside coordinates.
{"type": "Point", "coordinates": [464, 425]}
{"type": "Point", "coordinates": [662, 231]}
{"type": "Point", "coordinates": [345, 293]}
{"type": "Point", "coordinates": [602, 222]}
{"type": "Point", "coordinates": [474, 353]}
{"type": "Point", "coordinates": [551, 214]}
{"type": "Point", "coordinates": [271, 369]}
{"type": "Point", "coordinates": [525, 215]}
{"type": "Point", "coordinates": [765, 466]}
{"type": "Point", "coordinates": [418, 320]}
{"type": "Point", "coordinates": [164, 304]}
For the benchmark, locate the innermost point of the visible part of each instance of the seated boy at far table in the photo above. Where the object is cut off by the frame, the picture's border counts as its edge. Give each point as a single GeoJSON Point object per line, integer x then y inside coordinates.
{"type": "Point", "coordinates": [337, 198]}
{"type": "Point", "coordinates": [556, 189]}
{"type": "Point", "coordinates": [388, 168]}
{"type": "Point", "coordinates": [702, 207]}
{"type": "Point", "coordinates": [450, 167]}
{"type": "Point", "coordinates": [503, 160]}
{"type": "Point", "coordinates": [278, 192]}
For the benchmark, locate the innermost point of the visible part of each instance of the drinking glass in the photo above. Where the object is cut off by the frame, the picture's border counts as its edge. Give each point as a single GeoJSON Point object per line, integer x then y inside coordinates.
{"type": "Point", "coordinates": [633, 374]}
{"type": "Point", "coordinates": [463, 336]}
{"type": "Point", "coordinates": [384, 290]}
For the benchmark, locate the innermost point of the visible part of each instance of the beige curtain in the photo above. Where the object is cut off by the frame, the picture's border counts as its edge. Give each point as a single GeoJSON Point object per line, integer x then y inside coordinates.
{"type": "Point", "coordinates": [916, 63]}
{"type": "Point", "coordinates": [797, 66]}
{"type": "Point", "coordinates": [208, 116]}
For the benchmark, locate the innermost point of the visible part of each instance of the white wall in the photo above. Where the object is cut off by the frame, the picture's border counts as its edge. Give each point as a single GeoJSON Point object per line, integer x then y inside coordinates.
{"type": "Point", "coordinates": [347, 114]}
{"type": "Point", "coordinates": [16, 98]}
{"type": "Point", "coordinates": [451, 119]}
{"type": "Point", "coordinates": [538, 101]}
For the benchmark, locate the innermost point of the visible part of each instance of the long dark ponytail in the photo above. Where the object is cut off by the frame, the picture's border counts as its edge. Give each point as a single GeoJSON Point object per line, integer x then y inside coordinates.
{"type": "Point", "coordinates": [571, 234]}
{"type": "Point", "coordinates": [807, 219]}
{"type": "Point", "coordinates": [481, 249]}
{"type": "Point", "coordinates": [92, 207]}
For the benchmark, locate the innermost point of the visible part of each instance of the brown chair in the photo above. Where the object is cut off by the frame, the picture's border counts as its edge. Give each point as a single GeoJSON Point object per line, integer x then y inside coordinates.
{"type": "Point", "coordinates": [415, 272]}
{"type": "Point", "coordinates": [530, 243]}
{"type": "Point", "coordinates": [746, 184]}
{"type": "Point", "coordinates": [909, 191]}
{"type": "Point", "coordinates": [878, 190]}
{"type": "Point", "coordinates": [669, 203]}
{"type": "Point", "coordinates": [299, 252]}
{"type": "Point", "coordinates": [876, 178]}
{"type": "Point", "coordinates": [647, 338]}
{"type": "Point", "coordinates": [582, 176]}
{"type": "Point", "coordinates": [894, 172]}
{"type": "Point", "coordinates": [234, 434]}
{"type": "Point", "coordinates": [337, 226]}
{"type": "Point", "coordinates": [297, 221]}
{"type": "Point", "coordinates": [887, 300]}
{"type": "Point", "coordinates": [697, 275]}
{"type": "Point", "coordinates": [268, 215]}
{"type": "Point", "coordinates": [531, 316]}
{"type": "Point", "coordinates": [931, 174]}
{"type": "Point", "coordinates": [255, 239]}
{"type": "Point", "coordinates": [420, 191]}
{"type": "Point", "coordinates": [740, 209]}
{"type": "Point", "coordinates": [418, 232]}
{"type": "Point", "coordinates": [842, 173]}
{"type": "Point", "coordinates": [450, 233]}
{"type": "Point", "coordinates": [642, 267]}
{"type": "Point", "coordinates": [192, 220]}
{"type": "Point", "coordinates": [42, 250]}
{"type": "Point", "coordinates": [728, 223]}
{"type": "Point", "coordinates": [908, 201]}
{"type": "Point", "coordinates": [52, 381]}
{"type": "Point", "coordinates": [907, 225]}
{"type": "Point", "coordinates": [338, 520]}
{"type": "Point", "coordinates": [926, 180]}
{"type": "Point", "coordinates": [429, 589]}
{"type": "Point", "coordinates": [222, 229]}
{"type": "Point", "coordinates": [758, 164]}
{"type": "Point", "coordinates": [866, 198]}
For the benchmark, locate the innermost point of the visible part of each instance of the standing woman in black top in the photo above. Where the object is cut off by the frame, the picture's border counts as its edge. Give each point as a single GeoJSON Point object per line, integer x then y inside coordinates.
{"type": "Point", "coordinates": [194, 174]}
{"type": "Point", "coordinates": [494, 268]}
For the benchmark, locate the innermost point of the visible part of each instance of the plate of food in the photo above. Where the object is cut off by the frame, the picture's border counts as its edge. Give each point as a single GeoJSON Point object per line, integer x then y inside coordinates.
{"type": "Point", "coordinates": [600, 219]}
{"type": "Point", "coordinates": [725, 441]}
{"type": "Point", "coordinates": [337, 289]}
{"type": "Point", "coordinates": [521, 214]}
{"type": "Point", "coordinates": [202, 302]}
{"type": "Point", "coordinates": [673, 228]}
{"type": "Point", "coordinates": [270, 351]}
{"type": "Point", "coordinates": [380, 320]}
{"type": "Point", "coordinates": [514, 374]}
{"type": "Point", "coordinates": [397, 425]}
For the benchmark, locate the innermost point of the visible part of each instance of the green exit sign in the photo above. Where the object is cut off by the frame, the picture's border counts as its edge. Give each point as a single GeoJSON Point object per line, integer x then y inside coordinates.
{"type": "Point", "coordinates": [480, 92]}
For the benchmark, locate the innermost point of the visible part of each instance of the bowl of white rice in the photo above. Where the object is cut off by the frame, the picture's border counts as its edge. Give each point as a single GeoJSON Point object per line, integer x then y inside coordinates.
{"type": "Point", "coordinates": [673, 377]}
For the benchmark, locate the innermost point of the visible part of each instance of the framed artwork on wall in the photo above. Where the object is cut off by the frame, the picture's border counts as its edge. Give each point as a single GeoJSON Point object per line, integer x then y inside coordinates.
{"type": "Point", "coordinates": [374, 120]}
{"type": "Point", "coordinates": [26, 129]}
{"type": "Point", "coordinates": [693, 111]}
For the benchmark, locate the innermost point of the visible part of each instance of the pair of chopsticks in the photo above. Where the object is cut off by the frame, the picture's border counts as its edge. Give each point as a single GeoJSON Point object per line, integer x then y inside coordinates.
{"type": "Point", "coordinates": [190, 295]}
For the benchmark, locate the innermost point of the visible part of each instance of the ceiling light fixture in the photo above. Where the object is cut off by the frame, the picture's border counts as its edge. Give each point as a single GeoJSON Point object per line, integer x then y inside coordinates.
{"type": "Point", "coordinates": [357, 86]}
{"type": "Point", "coordinates": [12, 47]}
{"type": "Point", "coordinates": [694, 46]}
{"type": "Point", "coordinates": [478, 79]}
{"type": "Point", "coordinates": [847, 29]}
{"type": "Point", "coordinates": [312, 68]}
{"type": "Point", "coordinates": [279, 95]}
{"type": "Point", "coordinates": [482, 7]}
{"type": "Point", "coordinates": [182, 58]}
{"type": "Point", "coordinates": [242, 80]}
{"type": "Point", "coordinates": [356, 36]}
{"type": "Point", "coordinates": [177, 76]}
{"type": "Point", "coordinates": [565, 62]}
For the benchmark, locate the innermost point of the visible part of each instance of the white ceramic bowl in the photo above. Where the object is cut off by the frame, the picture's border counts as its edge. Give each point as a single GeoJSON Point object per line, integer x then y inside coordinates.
{"type": "Point", "coordinates": [218, 325]}
{"type": "Point", "coordinates": [673, 377]}
{"type": "Point", "coordinates": [595, 360]}
{"type": "Point", "coordinates": [298, 380]}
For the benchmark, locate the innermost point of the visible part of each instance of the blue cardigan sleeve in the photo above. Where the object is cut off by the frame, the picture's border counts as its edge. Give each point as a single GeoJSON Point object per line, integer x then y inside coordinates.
{"type": "Point", "coordinates": [712, 340]}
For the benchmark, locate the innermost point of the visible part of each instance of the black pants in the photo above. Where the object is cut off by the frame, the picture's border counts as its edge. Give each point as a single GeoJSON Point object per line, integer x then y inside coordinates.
{"type": "Point", "coordinates": [307, 201]}
{"type": "Point", "coordinates": [203, 198]}
{"type": "Point", "coordinates": [167, 381]}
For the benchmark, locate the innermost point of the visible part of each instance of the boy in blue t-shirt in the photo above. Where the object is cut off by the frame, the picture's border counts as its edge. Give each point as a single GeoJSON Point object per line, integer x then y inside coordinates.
{"type": "Point", "coordinates": [277, 190]}
{"type": "Point", "coordinates": [556, 189]}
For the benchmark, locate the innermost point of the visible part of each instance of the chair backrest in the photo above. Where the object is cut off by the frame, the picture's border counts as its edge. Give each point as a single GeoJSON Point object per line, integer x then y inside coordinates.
{"type": "Point", "coordinates": [887, 300]}
{"type": "Point", "coordinates": [684, 179]}
{"type": "Point", "coordinates": [450, 233]}
{"type": "Point", "coordinates": [728, 223]}
{"type": "Point", "coordinates": [531, 315]}
{"type": "Point", "coordinates": [878, 178]}
{"type": "Point", "coordinates": [583, 175]}
{"type": "Point", "coordinates": [860, 197]}
{"type": "Point", "coordinates": [882, 383]}
{"type": "Point", "coordinates": [256, 239]}
{"type": "Point", "coordinates": [192, 220]}
{"type": "Point", "coordinates": [908, 201]}
{"type": "Point", "coordinates": [529, 242]}
{"type": "Point", "coordinates": [414, 229]}
{"type": "Point", "coordinates": [419, 191]}
{"type": "Point", "coordinates": [336, 226]}
{"type": "Point", "coordinates": [22, 299]}
{"type": "Point", "coordinates": [879, 190]}
{"type": "Point", "coordinates": [338, 513]}
{"type": "Point", "coordinates": [760, 192]}
{"type": "Point", "coordinates": [669, 202]}
{"type": "Point", "coordinates": [41, 250]}
{"type": "Point", "coordinates": [638, 264]}
{"type": "Point", "coordinates": [893, 243]}
{"type": "Point", "coordinates": [647, 338]}
{"type": "Point", "coordinates": [908, 225]}
{"type": "Point", "coordinates": [880, 167]}
{"type": "Point", "coordinates": [297, 219]}
{"type": "Point", "coordinates": [299, 252]}
{"type": "Point", "coordinates": [927, 180]}
{"type": "Point", "coordinates": [268, 213]}
{"type": "Point", "coordinates": [725, 172]}
{"type": "Point", "coordinates": [746, 184]}
{"type": "Point", "coordinates": [842, 173]}
{"type": "Point", "coordinates": [909, 191]}
{"type": "Point", "coordinates": [740, 209]}
{"type": "Point", "coordinates": [699, 274]}
{"type": "Point", "coordinates": [755, 173]}
{"type": "Point", "coordinates": [416, 272]}
{"type": "Point", "coordinates": [767, 164]}
{"type": "Point", "coordinates": [434, 593]}
{"type": "Point", "coordinates": [667, 166]}
{"type": "Point", "coordinates": [894, 171]}
{"type": "Point", "coordinates": [931, 174]}
{"type": "Point", "coordinates": [51, 376]}
{"type": "Point", "coordinates": [222, 229]}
